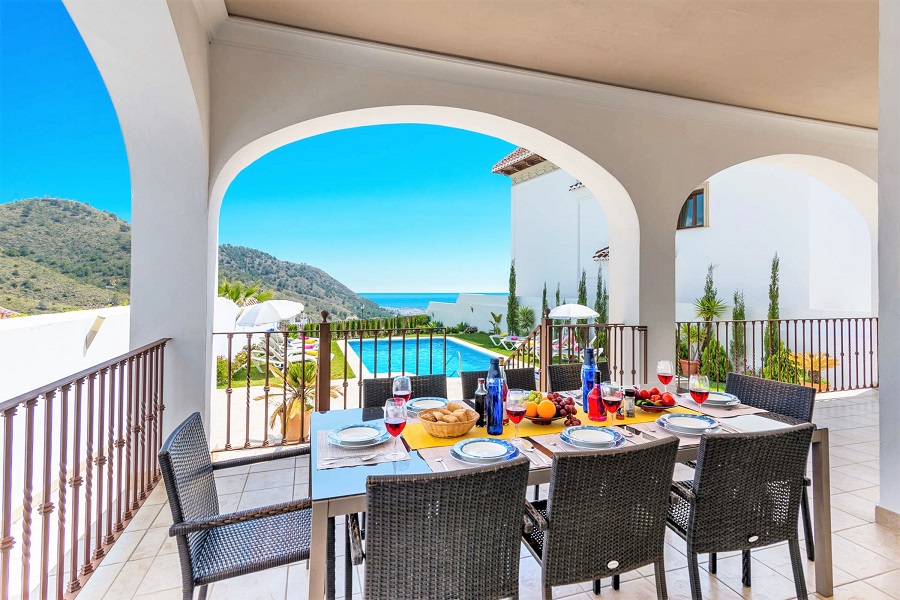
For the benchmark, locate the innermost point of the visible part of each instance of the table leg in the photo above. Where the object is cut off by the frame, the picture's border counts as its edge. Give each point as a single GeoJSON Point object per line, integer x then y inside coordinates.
{"type": "Point", "coordinates": [821, 484]}
{"type": "Point", "coordinates": [318, 554]}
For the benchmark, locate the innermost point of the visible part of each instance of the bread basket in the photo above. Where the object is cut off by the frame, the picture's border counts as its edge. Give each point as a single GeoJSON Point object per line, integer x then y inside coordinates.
{"type": "Point", "coordinates": [441, 429]}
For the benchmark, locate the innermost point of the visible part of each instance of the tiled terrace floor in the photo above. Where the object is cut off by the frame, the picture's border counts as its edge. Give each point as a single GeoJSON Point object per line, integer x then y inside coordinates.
{"type": "Point", "coordinates": [144, 563]}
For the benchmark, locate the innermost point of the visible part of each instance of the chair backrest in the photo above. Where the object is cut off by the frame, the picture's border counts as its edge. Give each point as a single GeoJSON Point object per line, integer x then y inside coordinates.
{"type": "Point", "coordinates": [565, 377]}
{"type": "Point", "coordinates": [376, 391]}
{"type": "Point", "coordinates": [187, 473]}
{"type": "Point", "coordinates": [520, 379]}
{"type": "Point", "coordinates": [796, 401]}
{"type": "Point", "coordinates": [607, 506]}
{"type": "Point", "coordinates": [748, 485]}
{"type": "Point", "coordinates": [445, 535]}
{"type": "Point", "coordinates": [602, 372]}
{"type": "Point", "coordinates": [470, 382]}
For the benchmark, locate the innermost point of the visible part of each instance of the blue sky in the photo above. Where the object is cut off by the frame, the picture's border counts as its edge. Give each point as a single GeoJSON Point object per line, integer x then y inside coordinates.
{"type": "Point", "coordinates": [402, 207]}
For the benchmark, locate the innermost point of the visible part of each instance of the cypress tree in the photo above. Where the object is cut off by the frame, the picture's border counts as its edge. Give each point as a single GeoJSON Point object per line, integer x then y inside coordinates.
{"type": "Point", "coordinates": [738, 313]}
{"type": "Point", "coordinates": [512, 303]}
{"type": "Point", "coordinates": [582, 289]}
{"type": "Point", "coordinates": [557, 294]}
{"type": "Point", "coordinates": [544, 305]}
{"type": "Point", "coordinates": [601, 302]}
{"type": "Point", "coordinates": [771, 336]}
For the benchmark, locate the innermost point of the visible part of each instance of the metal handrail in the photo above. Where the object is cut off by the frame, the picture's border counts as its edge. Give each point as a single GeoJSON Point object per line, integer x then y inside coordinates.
{"type": "Point", "coordinates": [80, 375]}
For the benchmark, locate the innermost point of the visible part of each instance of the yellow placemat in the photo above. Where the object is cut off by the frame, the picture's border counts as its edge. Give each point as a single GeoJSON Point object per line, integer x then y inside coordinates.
{"type": "Point", "coordinates": [417, 438]}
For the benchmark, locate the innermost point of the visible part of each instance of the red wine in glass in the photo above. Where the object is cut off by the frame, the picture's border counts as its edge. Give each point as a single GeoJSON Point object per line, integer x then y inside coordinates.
{"type": "Point", "coordinates": [612, 404]}
{"type": "Point", "coordinates": [665, 378]}
{"type": "Point", "coordinates": [402, 396]}
{"type": "Point", "coordinates": [394, 425]}
{"type": "Point", "coordinates": [516, 413]}
{"type": "Point", "coordinates": [699, 396]}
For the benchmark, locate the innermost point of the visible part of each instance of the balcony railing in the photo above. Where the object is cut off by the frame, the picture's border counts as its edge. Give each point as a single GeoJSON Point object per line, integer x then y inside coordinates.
{"type": "Point", "coordinates": [85, 449]}
{"type": "Point", "coordinates": [827, 354]}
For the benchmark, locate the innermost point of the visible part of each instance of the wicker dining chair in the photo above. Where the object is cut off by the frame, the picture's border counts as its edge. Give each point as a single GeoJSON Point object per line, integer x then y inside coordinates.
{"type": "Point", "coordinates": [795, 401]}
{"type": "Point", "coordinates": [443, 536]}
{"type": "Point", "coordinates": [606, 515]}
{"type": "Point", "coordinates": [376, 391]}
{"type": "Point", "coordinates": [745, 494]}
{"type": "Point", "coordinates": [568, 377]}
{"type": "Point", "coordinates": [517, 379]}
{"type": "Point", "coordinates": [213, 546]}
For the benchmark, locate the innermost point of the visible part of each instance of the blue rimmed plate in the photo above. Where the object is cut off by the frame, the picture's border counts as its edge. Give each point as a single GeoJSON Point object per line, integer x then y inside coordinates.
{"type": "Point", "coordinates": [592, 437]}
{"type": "Point", "coordinates": [424, 403]}
{"type": "Point", "coordinates": [483, 451]}
{"type": "Point", "coordinates": [722, 399]}
{"type": "Point", "coordinates": [357, 434]}
{"type": "Point", "coordinates": [688, 424]}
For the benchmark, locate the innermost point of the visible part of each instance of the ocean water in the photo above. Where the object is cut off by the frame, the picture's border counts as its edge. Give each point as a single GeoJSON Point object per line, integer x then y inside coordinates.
{"type": "Point", "coordinates": [412, 300]}
{"type": "Point", "coordinates": [388, 359]}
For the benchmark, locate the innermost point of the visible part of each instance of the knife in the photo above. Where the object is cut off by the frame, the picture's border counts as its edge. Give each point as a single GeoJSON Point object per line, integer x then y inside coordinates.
{"type": "Point", "coordinates": [529, 447]}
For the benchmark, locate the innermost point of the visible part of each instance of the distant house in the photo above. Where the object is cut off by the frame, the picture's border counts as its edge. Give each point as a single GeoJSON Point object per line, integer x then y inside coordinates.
{"type": "Point", "coordinates": [5, 313]}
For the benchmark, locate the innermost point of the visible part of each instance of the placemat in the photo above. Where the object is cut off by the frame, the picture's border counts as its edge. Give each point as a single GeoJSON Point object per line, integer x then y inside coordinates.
{"type": "Point", "coordinates": [442, 453]}
{"type": "Point", "coordinates": [554, 443]}
{"type": "Point", "coordinates": [715, 411]}
{"type": "Point", "coordinates": [329, 456]}
{"type": "Point", "coordinates": [417, 438]}
{"type": "Point", "coordinates": [658, 432]}
{"type": "Point", "coordinates": [752, 423]}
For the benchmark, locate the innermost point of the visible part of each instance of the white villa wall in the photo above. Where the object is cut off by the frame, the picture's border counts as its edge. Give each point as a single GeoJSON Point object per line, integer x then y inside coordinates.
{"type": "Point", "coordinates": [39, 350]}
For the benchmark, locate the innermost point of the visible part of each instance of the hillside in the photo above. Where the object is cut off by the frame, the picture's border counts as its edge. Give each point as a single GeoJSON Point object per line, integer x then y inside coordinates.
{"type": "Point", "coordinates": [315, 288]}
{"type": "Point", "coordinates": [58, 255]}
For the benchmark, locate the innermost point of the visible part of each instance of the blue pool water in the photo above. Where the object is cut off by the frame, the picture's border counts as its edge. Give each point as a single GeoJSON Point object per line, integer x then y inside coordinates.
{"type": "Point", "coordinates": [405, 360]}
{"type": "Point", "coordinates": [411, 300]}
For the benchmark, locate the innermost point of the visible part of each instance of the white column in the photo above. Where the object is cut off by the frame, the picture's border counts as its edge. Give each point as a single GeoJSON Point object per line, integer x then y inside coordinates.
{"type": "Point", "coordinates": [889, 258]}
{"type": "Point", "coordinates": [657, 287]}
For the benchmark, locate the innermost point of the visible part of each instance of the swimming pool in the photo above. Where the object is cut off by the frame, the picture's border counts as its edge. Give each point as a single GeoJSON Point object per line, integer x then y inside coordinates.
{"type": "Point", "coordinates": [430, 356]}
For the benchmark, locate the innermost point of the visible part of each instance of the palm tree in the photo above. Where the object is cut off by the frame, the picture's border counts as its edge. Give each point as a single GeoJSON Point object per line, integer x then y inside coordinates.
{"type": "Point", "coordinates": [299, 385]}
{"type": "Point", "coordinates": [244, 294]}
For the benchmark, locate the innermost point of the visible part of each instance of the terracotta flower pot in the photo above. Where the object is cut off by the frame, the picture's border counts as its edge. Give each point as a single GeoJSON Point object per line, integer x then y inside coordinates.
{"type": "Point", "coordinates": [297, 429]}
{"type": "Point", "coordinates": [689, 367]}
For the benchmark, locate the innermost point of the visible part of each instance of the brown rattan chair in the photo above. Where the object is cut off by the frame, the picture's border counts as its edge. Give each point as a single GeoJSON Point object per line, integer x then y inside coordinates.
{"type": "Point", "coordinates": [606, 515]}
{"type": "Point", "coordinates": [213, 546]}
{"type": "Point", "coordinates": [516, 379]}
{"type": "Point", "coordinates": [795, 401]}
{"type": "Point", "coordinates": [443, 536]}
{"type": "Point", "coordinates": [376, 391]}
{"type": "Point", "coordinates": [568, 377]}
{"type": "Point", "coordinates": [745, 494]}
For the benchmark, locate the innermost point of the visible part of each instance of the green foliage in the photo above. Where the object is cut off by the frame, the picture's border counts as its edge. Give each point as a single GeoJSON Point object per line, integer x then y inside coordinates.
{"type": "Point", "coordinates": [558, 303]}
{"type": "Point", "coordinates": [356, 328]}
{"type": "Point", "coordinates": [240, 293]}
{"type": "Point", "coordinates": [709, 307]}
{"type": "Point", "coordinates": [512, 302]}
{"type": "Point", "coordinates": [526, 319]}
{"type": "Point", "coordinates": [221, 371]}
{"type": "Point", "coordinates": [459, 327]}
{"type": "Point", "coordinates": [770, 336]}
{"type": "Point", "coordinates": [690, 338]}
{"type": "Point", "coordinates": [601, 302]}
{"type": "Point", "coordinates": [738, 343]}
{"type": "Point", "coordinates": [544, 305]}
{"type": "Point", "coordinates": [582, 289]}
{"type": "Point", "coordinates": [781, 365]}
{"type": "Point", "coordinates": [496, 318]}
{"type": "Point", "coordinates": [714, 361]}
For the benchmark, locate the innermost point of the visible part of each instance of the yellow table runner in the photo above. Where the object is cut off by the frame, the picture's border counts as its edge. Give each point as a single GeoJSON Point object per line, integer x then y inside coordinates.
{"type": "Point", "coordinates": [417, 438]}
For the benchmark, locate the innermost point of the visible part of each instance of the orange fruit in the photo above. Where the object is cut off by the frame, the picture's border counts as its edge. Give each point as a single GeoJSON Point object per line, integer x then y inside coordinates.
{"type": "Point", "coordinates": [546, 409]}
{"type": "Point", "coordinates": [531, 409]}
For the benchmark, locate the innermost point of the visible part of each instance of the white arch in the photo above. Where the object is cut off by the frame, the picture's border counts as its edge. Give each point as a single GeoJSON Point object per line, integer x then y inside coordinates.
{"type": "Point", "coordinates": [612, 195]}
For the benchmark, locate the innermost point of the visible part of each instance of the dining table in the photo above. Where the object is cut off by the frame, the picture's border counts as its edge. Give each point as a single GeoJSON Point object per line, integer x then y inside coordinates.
{"type": "Point", "coordinates": [342, 491]}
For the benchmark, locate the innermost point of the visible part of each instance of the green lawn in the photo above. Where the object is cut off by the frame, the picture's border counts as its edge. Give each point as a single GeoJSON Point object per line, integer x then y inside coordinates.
{"type": "Point", "coordinates": [481, 339]}
{"type": "Point", "coordinates": [239, 379]}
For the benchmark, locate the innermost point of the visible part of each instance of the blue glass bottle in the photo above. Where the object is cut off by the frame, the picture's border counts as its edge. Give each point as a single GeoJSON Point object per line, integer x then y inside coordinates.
{"type": "Point", "coordinates": [588, 372]}
{"type": "Point", "coordinates": [493, 403]}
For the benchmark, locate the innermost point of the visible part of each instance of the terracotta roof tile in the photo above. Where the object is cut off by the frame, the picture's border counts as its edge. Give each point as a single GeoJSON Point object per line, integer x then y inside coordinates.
{"type": "Point", "coordinates": [517, 160]}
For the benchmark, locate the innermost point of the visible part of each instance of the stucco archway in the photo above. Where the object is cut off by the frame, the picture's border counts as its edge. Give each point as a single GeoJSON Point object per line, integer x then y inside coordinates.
{"type": "Point", "coordinates": [612, 195]}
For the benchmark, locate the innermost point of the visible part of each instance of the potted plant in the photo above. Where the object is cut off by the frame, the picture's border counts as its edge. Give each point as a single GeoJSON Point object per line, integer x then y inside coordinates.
{"type": "Point", "coordinates": [812, 365]}
{"type": "Point", "coordinates": [292, 408]}
{"type": "Point", "coordinates": [689, 344]}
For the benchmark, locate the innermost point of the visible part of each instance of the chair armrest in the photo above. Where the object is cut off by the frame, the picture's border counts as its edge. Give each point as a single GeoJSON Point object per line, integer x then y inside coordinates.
{"type": "Point", "coordinates": [534, 519]}
{"type": "Point", "coordinates": [238, 517]}
{"type": "Point", "coordinates": [357, 554]}
{"type": "Point", "coordinates": [679, 490]}
{"type": "Point", "coordinates": [257, 458]}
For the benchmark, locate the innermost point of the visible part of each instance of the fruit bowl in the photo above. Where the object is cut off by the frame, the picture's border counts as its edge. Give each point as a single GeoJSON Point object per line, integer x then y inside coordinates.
{"type": "Point", "coordinates": [542, 421]}
{"type": "Point", "coordinates": [543, 410]}
{"type": "Point", "coordinates": [653, 409]}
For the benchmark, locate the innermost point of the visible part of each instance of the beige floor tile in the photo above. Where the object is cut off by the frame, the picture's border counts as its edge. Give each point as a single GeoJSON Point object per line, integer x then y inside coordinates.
{"type": "Point", "coordinates": [859, 471]}
{"type": "Point", "coordinates": [124, 546]}
{"type": "Point", "coordinates": [269, 479]}
{"type": "Point", "coordinates": [151, 543]}
{"type": "Point", "coordinates": [274, 465]}
{"type": "Point", "coordinates": [888, 583]}
{"type": "Point", "coordinates": [872, 494]}
{"type": "Point", "coordinates": [158, 495]}
{"type": "Point", "coordinates": [232, 471]}
{"type": "Point", "coordinates": [233, 484]}
{"type": "Point", "coordinates": [128, 579]}
{"type": "Point", "coordinates": [869, 449]}
{"type": "Point", "coordinates": [163, 595]}
{"type": "Point", "coordinates": [767, 583]}
{"type": "Point", "coordinates": [778, 558]}
{"type": "Point", "coordinates": [854, 505]}
{"type": "Point", "coordinates": [859, 590]}
{"type": "Point", "coordinates": [876, 538]}
{"type": "Point", "coordinates": [100, 582]}
{"type": "Point", "coordinates": [229, 502]}
{"type": "Point", "coordinates": [258, 498]}
{"type": "Point", "coordinates": [636, 589]}
{"type": "Point", "coordinates": [678, 584]}
{"type": "Point", "coordinates": [265, 585]}
{"type": "Point", "coordinates": [164, 518]}
{"type": "Point", "coordinates": [145, 517]}
{"type": "Point", "coordinates": [842, 481]}
{"type": "Point", "coordinates": [164, 574]}
{"type": "Point", "coordinates": [530, 582]}
{"type": "Point", "coordinates": [857, 560]}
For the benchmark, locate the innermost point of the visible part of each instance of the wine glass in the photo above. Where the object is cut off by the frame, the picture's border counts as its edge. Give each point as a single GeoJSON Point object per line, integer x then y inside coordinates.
{"type": "Point", "coordinates": [394, 422]}
{"type": "Point", "coordinates": [402, 388]}
{"type": "Point", "coordinates": [515, 409]}
{"type": "Point", "coordinates": [665, 372]}
{"type": "Point", "coordinates": [612, 401]}
{"type": "Point", "coordinates": [699, 386]}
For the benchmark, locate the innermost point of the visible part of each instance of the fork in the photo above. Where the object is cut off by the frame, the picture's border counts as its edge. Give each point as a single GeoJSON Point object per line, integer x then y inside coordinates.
{"type": "Point", "coordinates": [362, 457]}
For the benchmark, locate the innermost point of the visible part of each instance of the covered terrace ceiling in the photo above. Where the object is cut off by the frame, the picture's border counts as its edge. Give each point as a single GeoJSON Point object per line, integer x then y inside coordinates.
{"type": "Point", "coordinates": [809, 58]}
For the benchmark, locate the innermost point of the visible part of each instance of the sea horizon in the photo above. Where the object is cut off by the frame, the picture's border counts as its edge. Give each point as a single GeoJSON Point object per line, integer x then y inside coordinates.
{"type": "Point", "coordinates": [415, 300]}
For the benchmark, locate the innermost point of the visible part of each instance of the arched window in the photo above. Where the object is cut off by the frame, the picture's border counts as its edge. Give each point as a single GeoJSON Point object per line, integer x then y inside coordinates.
{"type": "Point", "coordinates": [694, 211]}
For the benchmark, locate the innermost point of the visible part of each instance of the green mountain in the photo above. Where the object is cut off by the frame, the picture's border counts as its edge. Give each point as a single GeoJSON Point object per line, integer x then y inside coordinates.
{"type": "Point", "coordinates": [58, 255]}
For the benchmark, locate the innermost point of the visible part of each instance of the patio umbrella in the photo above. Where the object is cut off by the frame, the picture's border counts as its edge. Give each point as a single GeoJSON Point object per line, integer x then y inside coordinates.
{"type": "Point", "coordinates": [573, 311]}
{"type": "Point", "coordinates": [270, 311]}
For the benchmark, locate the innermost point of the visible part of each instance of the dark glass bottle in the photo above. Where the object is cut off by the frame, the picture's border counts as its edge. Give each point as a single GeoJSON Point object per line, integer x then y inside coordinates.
{"type": "Point", "coordinates": [480, 396]}
{"type": "Point", "coordinates": [588, 372]}
{"type": "Point", "coordinates": [493, 403]}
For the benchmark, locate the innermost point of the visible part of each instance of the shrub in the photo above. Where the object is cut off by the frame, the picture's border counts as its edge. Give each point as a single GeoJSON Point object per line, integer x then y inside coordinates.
{"type": "Point", "coordinates": [471, 329]}
{"type": "Point", "coordinates": [714, 362]}
{"type": "Point", "coordinates": [221, 371]}
{"type": "Point", "coordinates": [526, 319]}
{"type": "Point", "coordinates": [459, 327]}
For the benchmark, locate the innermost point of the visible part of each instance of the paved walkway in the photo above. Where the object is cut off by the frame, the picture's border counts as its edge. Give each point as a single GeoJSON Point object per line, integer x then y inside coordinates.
{"type": "Point", "coordinates": [143, 565]}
